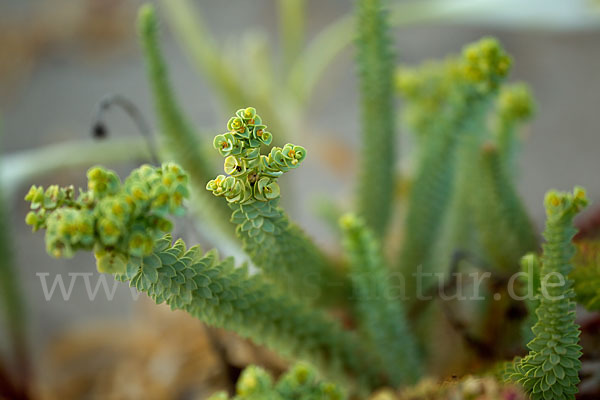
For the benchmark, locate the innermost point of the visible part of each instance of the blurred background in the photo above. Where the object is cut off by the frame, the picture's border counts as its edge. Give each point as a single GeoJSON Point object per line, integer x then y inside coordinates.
{"type": "Point", "coordinates": [58, 58]}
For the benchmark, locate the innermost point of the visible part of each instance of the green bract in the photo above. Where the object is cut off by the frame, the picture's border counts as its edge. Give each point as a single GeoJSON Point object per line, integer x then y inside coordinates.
{"type": "Point", "coordinates": [115, 219]}
{"type": "Point", "coordinates": [252, 175]}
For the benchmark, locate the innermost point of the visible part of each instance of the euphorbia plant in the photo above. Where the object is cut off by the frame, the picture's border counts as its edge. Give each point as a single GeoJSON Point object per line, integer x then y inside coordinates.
{"type": "Point", "coordinates": [462, 199]}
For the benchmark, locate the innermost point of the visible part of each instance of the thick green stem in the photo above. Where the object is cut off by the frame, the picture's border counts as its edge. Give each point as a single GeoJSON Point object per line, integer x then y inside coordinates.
{"type": "Point", "coordinates": [505, 231]}
{"type": "Point", "coordinates": [218, 293]}
{"type": "Point", "coordinates": [380, 313]}
{"type": "Point", "coordinates": [375, 63]}
{"type": "Point", "coordinates": [286, 255]}
{"type": "Point", "coordinates": [430, 199]}
{"type": "Point", "coordinates": [457, 227]}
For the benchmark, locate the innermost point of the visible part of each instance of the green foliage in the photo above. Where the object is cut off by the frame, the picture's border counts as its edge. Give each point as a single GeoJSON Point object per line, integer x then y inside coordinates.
{"type": "Point", "coordinates": [123, 224]}
{"type": "Point", "coordinates": [463, 197]}
{"type": "Point", "coordinates": [550, 370]}
{"type": "Point", "coordinates": [586, 275]}
{"type": "Point", "coordinates": [299, 383]}
{"type": "Point", "coordinates": [114, 219]}
{"type": "Point", "coordinates": [221, 295]}
{"type": "Point", "coordinates": [380, 313]}
{"type": "Point", "coordinates": [251, 189]}
{"type": "Point", "coordinates": [459, 92]}
{"type": "Point", "coordinates": [375, 63]}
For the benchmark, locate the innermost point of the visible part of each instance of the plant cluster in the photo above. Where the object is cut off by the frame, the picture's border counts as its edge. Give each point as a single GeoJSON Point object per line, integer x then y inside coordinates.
{"type": "Point", "coordinates": [207, 287]}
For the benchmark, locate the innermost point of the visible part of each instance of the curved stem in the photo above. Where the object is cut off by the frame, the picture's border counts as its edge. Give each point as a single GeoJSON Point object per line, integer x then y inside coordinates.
{"type": "Point", "coordinates": [99, 126]}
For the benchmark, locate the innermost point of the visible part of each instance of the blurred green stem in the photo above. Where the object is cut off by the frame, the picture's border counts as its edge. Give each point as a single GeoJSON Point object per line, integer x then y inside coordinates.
{"type": "Point", "coordinates": [320, 52]}
{"type": "Point", "coordinates": [375, 65]}
{"type": "Point", "coordinates": [292, 15]}
{"type": "Point", "coordinates": [189, 27]}
{"type": "Point", "coordinates": [28, 165]}
{"type": "Point", "coordinates": [12, 300]}
{"type": "Point", "coordinates": [230, 80]}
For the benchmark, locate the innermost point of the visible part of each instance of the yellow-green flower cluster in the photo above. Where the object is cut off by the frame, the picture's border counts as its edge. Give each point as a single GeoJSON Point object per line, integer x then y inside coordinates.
{"type": "Point", "coordinates": [485, 64]}
{"type": "Point", "coordinates": [449, 88]}
{"type": "Point", "coordinates": [515, 102]}
{"type": "Point", "coordinates": [115, 219]}
{"type": "Point", "coordinates": [299, 383]}
{"type": "Point", "coordinates": [250, 175]}
{"type": "Point", "coordinates": [426, 90]}
{"type": "Point", "coordinates": [43, 201]}
{"type": "Point", "coordinates": [430, 81]}
{"type": "Point", "coordinates": [561, 205]}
